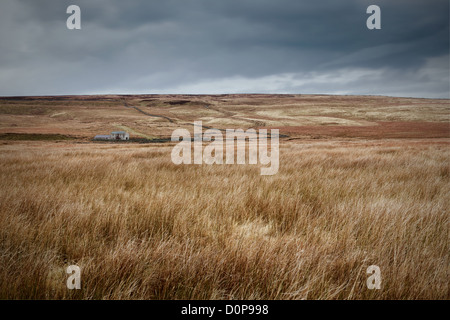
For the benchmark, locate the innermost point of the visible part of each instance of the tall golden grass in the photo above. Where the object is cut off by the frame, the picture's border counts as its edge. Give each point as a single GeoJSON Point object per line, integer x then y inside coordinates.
{"type": "Point", "coordinates": [141, 227]}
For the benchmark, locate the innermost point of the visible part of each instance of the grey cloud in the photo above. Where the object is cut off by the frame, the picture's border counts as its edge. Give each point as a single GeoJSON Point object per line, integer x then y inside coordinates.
{"type": "Point", "coordinates": [165, 46]}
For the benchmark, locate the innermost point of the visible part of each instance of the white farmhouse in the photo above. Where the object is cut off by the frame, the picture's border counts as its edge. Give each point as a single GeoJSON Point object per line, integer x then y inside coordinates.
{"type": "Point", "coordinates": [115, 135]}
{"type": "Point", "coordinates": [120, 135]}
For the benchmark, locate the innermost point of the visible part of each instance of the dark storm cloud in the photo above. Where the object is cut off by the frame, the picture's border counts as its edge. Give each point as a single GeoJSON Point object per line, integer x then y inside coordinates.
{"type": "Point", "coordinates": [200, 46]}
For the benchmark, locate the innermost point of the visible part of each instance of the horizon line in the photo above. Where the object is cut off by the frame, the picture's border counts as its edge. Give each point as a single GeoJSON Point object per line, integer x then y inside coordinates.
{"type": "Point", "coordinates": [216, 94]}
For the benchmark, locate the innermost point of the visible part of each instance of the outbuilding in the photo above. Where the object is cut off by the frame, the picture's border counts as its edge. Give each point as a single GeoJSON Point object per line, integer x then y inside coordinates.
{"type": "Point", "coordinates": [102, 137]}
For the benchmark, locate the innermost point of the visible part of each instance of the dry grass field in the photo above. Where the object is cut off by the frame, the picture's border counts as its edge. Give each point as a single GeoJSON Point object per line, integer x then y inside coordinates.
{"type": "Point", "coordinates": [362, 181]}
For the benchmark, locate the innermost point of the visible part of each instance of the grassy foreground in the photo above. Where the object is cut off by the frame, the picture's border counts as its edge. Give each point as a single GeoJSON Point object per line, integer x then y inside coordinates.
{"type": "Point", "coordinates": [141, 227]}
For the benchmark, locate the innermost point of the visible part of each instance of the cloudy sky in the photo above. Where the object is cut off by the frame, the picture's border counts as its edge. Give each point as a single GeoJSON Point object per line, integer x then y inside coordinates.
{"type": "Point", "coordinates": [225, 46]}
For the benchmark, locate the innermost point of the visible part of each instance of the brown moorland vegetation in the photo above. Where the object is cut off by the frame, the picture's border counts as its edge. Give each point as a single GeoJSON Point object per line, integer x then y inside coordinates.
{"type": "Point", "coordinates": [141, 227]}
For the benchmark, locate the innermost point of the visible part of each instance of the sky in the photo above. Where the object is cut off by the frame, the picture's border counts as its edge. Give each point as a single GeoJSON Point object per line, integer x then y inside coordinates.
{"type": "Point", "coordinates": [225, 46]}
